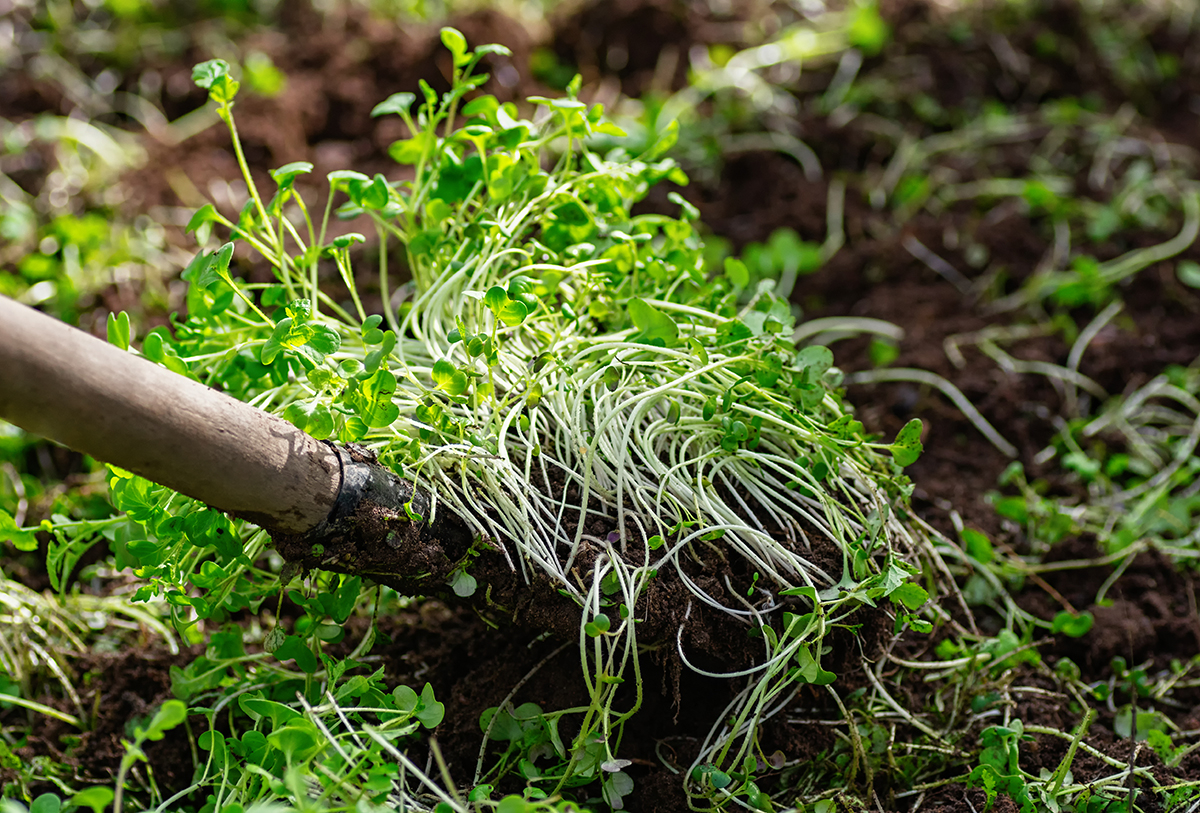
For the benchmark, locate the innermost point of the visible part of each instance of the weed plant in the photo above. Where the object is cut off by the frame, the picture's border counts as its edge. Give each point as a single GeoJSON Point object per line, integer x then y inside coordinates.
{"type": "Point", "coordinates": [555, 364]}
{"type": "Point", "coordinates": [606, 404]}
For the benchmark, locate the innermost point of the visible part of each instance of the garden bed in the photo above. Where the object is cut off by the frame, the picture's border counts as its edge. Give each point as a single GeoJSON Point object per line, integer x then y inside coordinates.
{"type": "Point", "coordinates": [935, 272]}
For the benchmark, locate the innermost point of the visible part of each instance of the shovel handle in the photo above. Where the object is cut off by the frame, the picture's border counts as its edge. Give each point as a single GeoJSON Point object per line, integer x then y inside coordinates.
{"type": "Point", "coordinates": [64, 384]}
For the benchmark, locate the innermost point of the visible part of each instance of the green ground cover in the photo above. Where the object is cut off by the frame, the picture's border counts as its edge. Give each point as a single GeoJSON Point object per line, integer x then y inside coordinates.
{"type": "Point", "coordinates": [527, 319]}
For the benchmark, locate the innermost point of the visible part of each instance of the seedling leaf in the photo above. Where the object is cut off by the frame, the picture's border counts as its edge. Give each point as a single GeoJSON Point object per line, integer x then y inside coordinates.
{"type": "Point", "coordinates": [463, 584]}
{"type": "Point", "coordinates": [448, 378]}
{"type": "Point", "coordinates": [169, 715]}
{"type": "Point", "coordinates": [214, 77]}
{"type": "Point", "coordinates": [737, 272]}
{"type": "Point", "coordinates": [406, 150]}
{"type": "Point", "coordinates": [119, 331]}
{"type": "Point", "coordinates": [655, 326]}
{"type": "Point", "coordinates": [97, 798]}
{"type": "Point", "coordinates": [205, 214]}
{"type": "Point", "coordinates": [46, 803]}
{"type": "Point", "coordinates": [977, 545]}
{"type": "Point", "coordinates": [201, 271]}
{"type": "Point", "coordinates": [430, 712]}
{"type": "Point", "coordinates": [453, 39]}
{"type": "Point", "coordinates": [1074, 626]}
{"type": "Point", "coordinates": [11, 532]}
{"type": "Point", "coordinates": [908, 447]}
{"type": "Point", "coordinates": [912, 596]}
{"type": "Point", "coordinates": [597, 626]}
{"type": "Point", "coordinates": [811, 670]}
{"type": "Point", "coordinates": [1188, 272]}
{"type": "Point", "coordinates": [206, 73]}
{"type": "Point", "coordinates": [665, 141]}
{"type": "Point", "coordinates": [286, 175]}
{"type": "Point", "coordinates": [397, 103]}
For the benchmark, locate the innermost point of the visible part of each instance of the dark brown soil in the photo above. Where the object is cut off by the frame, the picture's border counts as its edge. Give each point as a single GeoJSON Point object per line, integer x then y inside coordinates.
{"type": "Point", "coordinates": [338, 72]}
{"type": "Point", "coordinates": [1152, 614]}
{"type": "Point", "coordinates": [120, 690]}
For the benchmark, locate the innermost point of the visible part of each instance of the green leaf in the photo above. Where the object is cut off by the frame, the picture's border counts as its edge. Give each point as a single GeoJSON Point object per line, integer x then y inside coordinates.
{"type": "Point", "coordinates": [169, 715]}
{"type": "Point", "coordinates": [495, 299]}
{"type": "Point", "coordinates": [687, 210]}
{"type": "Point", "coordinates": [119, 331]}
{"type": "Point", "coordinates": [97, 798]}
{"type": "Point", "coordinates": [312, 417]}
{"type": "Point", "coordinates": [908, 447]}
{"type": "Point", "coordinates": [673, 412]}
{"type": "Point", "coordinates": [286, 175]}
{"type": "Point", "coordinates": [817, 359]}
{"type": "Point", "coordinates": [200, 271]}
{"type": "Point", "coordinates": [868, 30]}
{"type": "Point", "coordinates": [378, 194]}
{"type": "Point", "coordinates": [510, 311]}
{"type": "Point", "coordinates": [597, 626]}
{"type": "Point", "coordinates": [407, 150]}
{"type": "Point", "coordinates": [406, 699]}
{"type": "Point", "coordinates": [737, 272]}
{"type": "Point", "coordinates": [1147, 721]}
{"type": "Point", "coordinates": [481, 793]}
{"type": "Point", "coordinates": [46, 803]}
{"type": "Point", "coordinates": [397, 103]}
{"type": "Point", "coordinates": [205, 214]}
{"type": "Point", "coordinates": [11, 532]}
{"type": "Point", "coordinates": [559, 104]}
{"type": "Point", "coordinates": [376, 408]}
{"type": "Point", "coordinates": [274, 639]}
{"type": "Point", "coordinates": [344, 178]}
{"type": "Point", "coordinates": [430, 712]}
{"type": "Point", "coordinates": [513, 313]}
{"type": "Point", "coordinates": [220, 263]}
{"type": "Point", "coordinates": [665, 141]}
{"type": "Point", "coordinates": [655, 326]}
{"type": "Point", "coordinates": [463, 584]}
{"type": "Point", "coordinates": [214, 77]}
{"type": "Point", "coordinates": [448, 378]}
{"type": "Point", "coordinates": [514, 804]}
{"type": "Point", "coordinates": [313, 341]}
{"type": "Point", "coordinates": [345, 597]}
{"type": "Point", "coordinates": [977, 545]}
{"type": "Point", "coordinates": [615, 787]}
{"type": "Point", "coordinates": [715, 777]}
{"type": "Point", "coordinates": [919, 624]}
{"type": "Point", "coordinates": [1188, 272]}
{"type": "Point", "coordinates": [912, 596]}
{"type": "Point", "coordinates": [206, 74]}
{"type": "Point", "coordinates": [453, 39]}
{"type": "Point", "coordinates": [493, 48]}
{"type": "Point", "coordinates": [293, 648]}
{"type": "Point", "coordinates": [298, 740]}
{"type": "Point", "coordinates": [811, 670]}
{"type": "Point", "coordinates": [1071, 625]}
{"type": "Point", "coordinates": [275, 343]}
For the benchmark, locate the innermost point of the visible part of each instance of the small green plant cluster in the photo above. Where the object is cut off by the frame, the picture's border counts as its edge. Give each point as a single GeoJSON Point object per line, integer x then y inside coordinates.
{"type": "Point", "coordinates": [1136, 457]}
{"type": "Point", "coordinates": [1137, 195]}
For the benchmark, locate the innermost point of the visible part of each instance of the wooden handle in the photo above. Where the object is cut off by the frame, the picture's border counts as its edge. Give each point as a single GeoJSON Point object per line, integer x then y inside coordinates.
{"type": "Point", "coordinates": [84, 393]}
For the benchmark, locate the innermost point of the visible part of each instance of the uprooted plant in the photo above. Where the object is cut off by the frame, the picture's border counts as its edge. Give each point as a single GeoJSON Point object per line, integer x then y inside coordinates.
{"type": "Point", "coordinates": [566, 382]}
